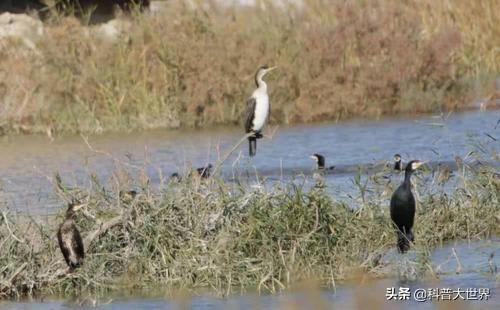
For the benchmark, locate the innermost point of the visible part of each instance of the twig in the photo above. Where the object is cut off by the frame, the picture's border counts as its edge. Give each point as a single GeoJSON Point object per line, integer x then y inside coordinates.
{"type": "Point", "coordinates": [91, 148]}
{"type": "Point", "coordinates": [273, 132]}
{"type": "Point", "coordinates": [219, 164]}
{"type": "Point", "coordinates": [18, 271]}
{"type": "Point", "coordinates": [9, 282]}
{"type": "Point", "coordinates": [490, 136]}
{"type": "Point", "coordinates": [104, 227]}
{"type": "Point", "coordinates": [459, 265]}
{"type": "Point", "coordinates": [10, 231]}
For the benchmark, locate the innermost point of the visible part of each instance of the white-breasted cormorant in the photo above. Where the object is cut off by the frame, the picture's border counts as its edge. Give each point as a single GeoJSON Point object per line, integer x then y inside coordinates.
{"type": "Point", "coordinates": [398, 165]}
{"type": "Point", "coordinates": [321, 162]}
{"type": "Point", "coordinates": [403, 208]}
{"type": "Point", "coordinates": [69, 238]}
{"type": "Point", "coordinates": [258, 109]}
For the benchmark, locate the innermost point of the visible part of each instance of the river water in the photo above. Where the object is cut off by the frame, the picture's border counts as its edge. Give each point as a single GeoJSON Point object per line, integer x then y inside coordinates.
{"type": "Point", "coordinates": [28, 163]}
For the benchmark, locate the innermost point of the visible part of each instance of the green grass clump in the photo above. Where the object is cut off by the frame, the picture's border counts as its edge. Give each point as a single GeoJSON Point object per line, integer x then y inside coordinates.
{"type": "Point", "coordinates": [188, 67]}
{"type": "Point", "coordinates": [224, 237]}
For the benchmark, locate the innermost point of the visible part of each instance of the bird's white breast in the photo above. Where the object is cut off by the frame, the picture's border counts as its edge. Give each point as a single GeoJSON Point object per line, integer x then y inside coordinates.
{"type": "Point", "coordinates": [261, 109]}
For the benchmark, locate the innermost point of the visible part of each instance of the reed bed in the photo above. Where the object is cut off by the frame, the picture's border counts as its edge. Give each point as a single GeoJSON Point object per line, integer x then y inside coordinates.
{"type": "Point", "coordinates": [193, 67]}
{"type": "Point", "coordinates": [228, 237]}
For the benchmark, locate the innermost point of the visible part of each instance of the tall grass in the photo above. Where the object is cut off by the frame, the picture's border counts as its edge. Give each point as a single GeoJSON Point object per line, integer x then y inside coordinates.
{"type": "Point", "coordinates": [225, 237]}
{"type": "Point", "coordinates": [188, 67]}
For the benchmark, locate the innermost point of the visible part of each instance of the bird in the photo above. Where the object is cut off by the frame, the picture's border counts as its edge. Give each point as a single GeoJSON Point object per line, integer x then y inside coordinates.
{"type": "Point", "coordinates": [402, 209]}
{"type": "Point", "coordinates": [204, 172]}
{"type": "Point", "coordinates": [397, 163]}
{"type": "Point", "coordinates": [175, 177]}
{"type": "Point", "coordinates": [70, 240]}
{"type": "Point", "coordinates": [258, 109]}
{"type": "Point", "coordinates": [320, 162]}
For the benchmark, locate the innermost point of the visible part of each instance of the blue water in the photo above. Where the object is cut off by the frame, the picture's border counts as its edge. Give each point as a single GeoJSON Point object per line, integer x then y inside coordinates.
{"type": "Point", "coordinates": [28, 162]}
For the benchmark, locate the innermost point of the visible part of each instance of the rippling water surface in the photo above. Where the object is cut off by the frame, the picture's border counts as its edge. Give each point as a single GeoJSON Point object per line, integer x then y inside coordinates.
{"type": "Point", "coordinates": [28, 162]}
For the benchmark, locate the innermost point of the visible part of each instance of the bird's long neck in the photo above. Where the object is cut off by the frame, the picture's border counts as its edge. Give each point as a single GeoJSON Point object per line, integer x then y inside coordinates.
{"type": "Point", "coordinates": [407, 181]}
{"type": "Point", "coordinates": [321, 163]}
{"type": "Point", "coordinates": [397, 165]}
{"type": "Point", "coordinates": [261, 85]}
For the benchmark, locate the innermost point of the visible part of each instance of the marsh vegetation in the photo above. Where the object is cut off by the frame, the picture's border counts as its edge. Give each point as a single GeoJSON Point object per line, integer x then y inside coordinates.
{"type": "Point", "coordinates": [188, 67]}
{"type": "Point", "coordinates": [226, 237]}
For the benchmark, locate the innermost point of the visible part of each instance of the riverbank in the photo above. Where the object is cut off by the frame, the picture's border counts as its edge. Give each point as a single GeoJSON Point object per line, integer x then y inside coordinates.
{"type": "Point", "coordinates": [192, 67]}
{"type": "Point", "coordinates": [226, 236]}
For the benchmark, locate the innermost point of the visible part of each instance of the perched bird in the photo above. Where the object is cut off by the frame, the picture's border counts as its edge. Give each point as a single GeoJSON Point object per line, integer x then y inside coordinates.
{"type": "Point", "coordinates": [175, 177]}
{"type": "Point", "coordinates": [397, 163]}
{"type": "Point", "coordinates": [69, 238]}
{"type": "Point", "coordinates": [204, 172]}
{"type": "Point", "coordinates": [320, 162]}
{"type": "Point", "coordinates": [258, 108]}
{"type": "Point", "coordinates": [403, 208]}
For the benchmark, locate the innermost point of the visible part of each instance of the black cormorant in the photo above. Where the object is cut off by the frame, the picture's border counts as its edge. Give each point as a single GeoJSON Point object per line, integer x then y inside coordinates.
{"type": "Point", "coordinates": [320, 162]}
{"type": "Point", "coordinates": [398, 166]}
{"type": "Point", "coordinates": [403, 208]}
{"type": "Point", "coordinates": [69, 238]}
{"type": "Point", "coordinates": [175, 177]}
{"type": "Point", "coordinates": [258, 108]}
{"type": "Point", "coordinates": [204, 172]}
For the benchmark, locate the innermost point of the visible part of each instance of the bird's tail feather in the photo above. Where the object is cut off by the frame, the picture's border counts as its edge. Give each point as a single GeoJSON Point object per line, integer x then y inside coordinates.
{"type": "Point", "coordinates": [404, 241]}
{"type": "Point", "coordinates": [252, 143]}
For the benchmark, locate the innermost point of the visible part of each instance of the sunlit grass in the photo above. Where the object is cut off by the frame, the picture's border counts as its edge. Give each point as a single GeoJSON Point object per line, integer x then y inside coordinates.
{"type": "Point", "coordinates": [228, 238]}
{"type": "Point", "coordinates": [194, 68]}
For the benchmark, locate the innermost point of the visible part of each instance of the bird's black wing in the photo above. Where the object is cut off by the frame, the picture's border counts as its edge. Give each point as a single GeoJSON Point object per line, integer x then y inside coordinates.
{"type": "Point", "coordinates": [78, 245]}
{"type": "Point", "coordinates": [251, 102]}
{"type": "Point", "coordinates": [64, 249]}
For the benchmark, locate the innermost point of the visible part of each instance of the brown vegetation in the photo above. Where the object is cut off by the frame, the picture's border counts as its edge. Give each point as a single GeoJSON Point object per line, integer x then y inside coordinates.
{"type": "Point", "coordinates": [194, 67]}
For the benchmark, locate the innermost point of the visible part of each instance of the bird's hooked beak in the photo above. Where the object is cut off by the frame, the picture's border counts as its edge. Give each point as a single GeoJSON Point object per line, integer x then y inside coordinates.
{"type": "Point", "coordinates": [271, 69]}
{"type": "Point", "coordinates": [418, 164]}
